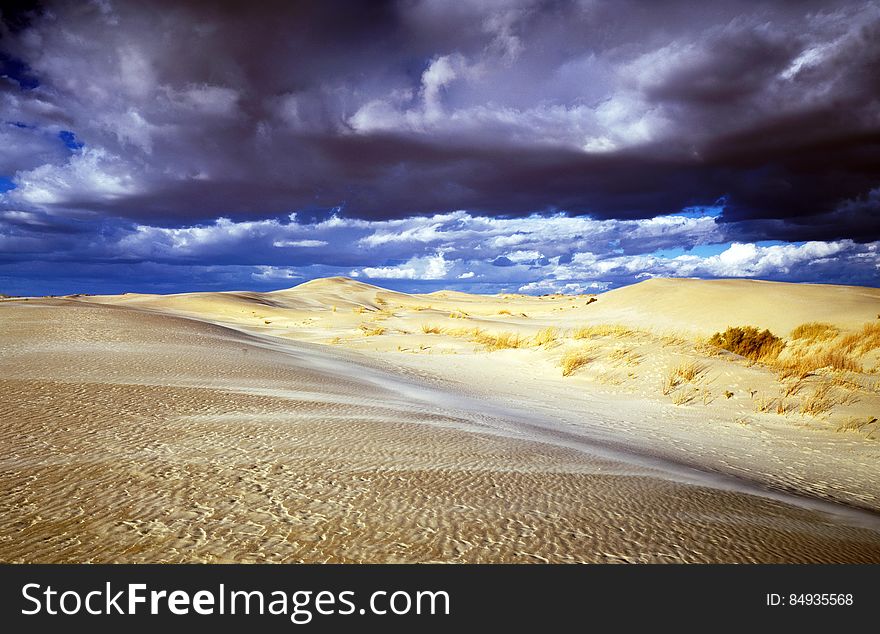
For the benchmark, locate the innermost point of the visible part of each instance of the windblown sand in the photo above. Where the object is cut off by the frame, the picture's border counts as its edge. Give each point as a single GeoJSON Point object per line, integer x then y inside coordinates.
{"type": "Point", "coordinates": [133, 434]}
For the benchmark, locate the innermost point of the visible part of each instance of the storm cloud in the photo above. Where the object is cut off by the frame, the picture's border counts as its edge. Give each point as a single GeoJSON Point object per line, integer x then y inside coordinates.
{"type": "Point", "coordinates": [129, 126]}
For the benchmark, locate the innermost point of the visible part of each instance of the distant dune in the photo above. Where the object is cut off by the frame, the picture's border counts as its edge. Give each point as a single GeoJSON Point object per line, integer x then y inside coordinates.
{"type": "Point", "coordinates": [339, 421]}
{"type": "Point", "coordinates": [706, 306]}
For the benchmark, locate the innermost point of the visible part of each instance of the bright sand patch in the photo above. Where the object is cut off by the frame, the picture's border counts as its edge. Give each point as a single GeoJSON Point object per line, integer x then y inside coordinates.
{"type": "Point", "coordinates": [133, 435]}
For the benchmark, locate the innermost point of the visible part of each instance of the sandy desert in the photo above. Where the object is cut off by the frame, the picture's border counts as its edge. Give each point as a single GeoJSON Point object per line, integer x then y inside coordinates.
{"type": "Point", "coordinates": [337, 421]}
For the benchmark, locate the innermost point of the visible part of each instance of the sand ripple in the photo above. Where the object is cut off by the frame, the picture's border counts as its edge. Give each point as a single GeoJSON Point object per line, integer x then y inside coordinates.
{"type": "Point", "coordinates": [133, 437]}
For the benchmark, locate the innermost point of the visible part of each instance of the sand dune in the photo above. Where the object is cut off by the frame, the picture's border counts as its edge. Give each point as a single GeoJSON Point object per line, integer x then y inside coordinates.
{"type": "Point", "coordinates": [285, 426]}
{"type": "Point", "coordinates": [706, 306]}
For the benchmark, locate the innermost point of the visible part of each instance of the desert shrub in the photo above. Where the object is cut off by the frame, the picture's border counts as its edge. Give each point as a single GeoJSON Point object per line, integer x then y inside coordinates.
{"type": "Point", "coordinates": [430, 329]}
{"type": "Point", "coordinates": [814, 331]}
{"type": "Point", "coordinates": [371, 330]}
{"type": "Point", "coordinates": [749, 342]}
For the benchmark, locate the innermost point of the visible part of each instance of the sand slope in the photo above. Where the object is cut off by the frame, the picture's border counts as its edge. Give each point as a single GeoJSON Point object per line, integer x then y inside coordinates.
{"type": "Point", "coordinates": [707, 306]}
{"type": "Point", "coordinates": [133, 434]}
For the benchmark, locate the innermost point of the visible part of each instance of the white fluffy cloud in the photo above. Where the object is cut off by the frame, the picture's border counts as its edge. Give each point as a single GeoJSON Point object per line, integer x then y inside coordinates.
{"type": "Point", "coordinates": [455, 250]}
{"type": "Point", "coordinates": [533, 254]}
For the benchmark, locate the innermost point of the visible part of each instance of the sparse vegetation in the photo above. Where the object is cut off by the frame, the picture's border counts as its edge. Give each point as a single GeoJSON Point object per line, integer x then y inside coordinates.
{"type": "Point", "coordinates": [749, 342]}
{"type": "Point", "coordinates": [545, 336]}
{"type": "Point", "coordinates": [863, 340]}
{"type": "Point", "coordinates": [458, 314]}
{"type": "Point", "coordinates": [626, 355]}
{"type": "Point", "coordinates": [765, 403]}
{"type": "Point", "coordinates": [802, 365]}
{"type": "Point", "coordinates": [814, 331]}
{"type": "Point", "coordinates": [499, 340]}
{"type": "Point", "coordinates": [791, 389]}
{"type": "Point", "coordinates": [430, 329]}
{"type": "Point", "coordinates": [574, 359]}
{"type": "Point", "coordinates": [683, 397]}
{"type": "Point", "coordinates": [820, 401]}
{"type": "Point", "coordinates": [504, 312]}
{"type": "Point", "coordinates": [686, 372]}
{"type": "Point", "coordinates": [869, 424]}
{"type": "Point", "coordinates": [371, 330]}
{"type": "Point", "coordinates": [601, 330]}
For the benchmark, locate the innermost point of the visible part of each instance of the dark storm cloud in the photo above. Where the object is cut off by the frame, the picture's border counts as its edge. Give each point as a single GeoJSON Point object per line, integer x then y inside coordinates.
{"type": "Point", "coordinates": [387, 109]}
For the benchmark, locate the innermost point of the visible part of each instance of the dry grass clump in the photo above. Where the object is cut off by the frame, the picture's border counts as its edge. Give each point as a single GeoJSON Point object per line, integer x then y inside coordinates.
{"type": "Point", "coordinates": [371, 330]}
{"type": "Point", "coordinates": [491, 340]}
{"type": "Point", "coordinates": [864, 340]}
{"type": "Point", "coordinates": [458, 314]}
{"type": "Point", "coordinates": [764, 403]}
{"type": "Point", "coordinates": [801, 365]}
{"type": "Point", "coordinates": [430, 329]}
{"type": "Point", "coordinates": [545, 336]}
{"type": "Point", "coordinates": [574, 359]}
{"type": "Point", "coordinates": [821, 400]}
{"type": "Point", "coordinates": [601, 330]}
{"type": "Point", "coordinates": [814, 331]}
{"type": "Point", "coordinates": [869, 424]}
{"type": "Point", "coordinates": [749, 342]}
{"type": "Point", "coordinates": [499, 340]}
{"type": "Point", "coordinates": [689, 371]}
{"type": "Point", "coordinates": [504, 312]}
{"type": "Point", "coordinates": [628, 356]}
{"type": "Point", "coordinates": [686, 372]}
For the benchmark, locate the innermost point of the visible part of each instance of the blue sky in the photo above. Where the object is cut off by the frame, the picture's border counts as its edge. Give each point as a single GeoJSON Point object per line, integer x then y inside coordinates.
{"type": "Point", "coordinates": [519, 146]}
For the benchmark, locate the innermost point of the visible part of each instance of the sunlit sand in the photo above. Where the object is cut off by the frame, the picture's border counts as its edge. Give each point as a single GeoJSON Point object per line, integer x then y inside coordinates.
{"type": "Point", "coordinates": [337, 421]}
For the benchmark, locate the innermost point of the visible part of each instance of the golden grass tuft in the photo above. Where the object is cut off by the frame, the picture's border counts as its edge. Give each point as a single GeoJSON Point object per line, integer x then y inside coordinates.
{"type": "Point", "coordinates": [821, 400]}
{"type": "Point", "coordinates": [545, 336]}
{"type": "Point", "coordinates": [749, 342]}
{"type": "Point", "coordinates": [683, 397]}
{"type": "Point", "coordinates": [504, 312]}
{"type": "Point", "coordinates": [685, 372]}
{"type": "Point", "coordinates": [499, 340]}
{"type": "Point", "coordinates": [814, 331]}
{"type": "Point", "coordinates": [869, 424]}
{"type": "Point", "coordinates": [629, 356]}
{"type": "Point", "coordinates": [372, 330]}
{"type": "Point", "coordinates": [601, 330]}
{"type": "Point", "coordinates": [431, 329]}
{"type": "Point", "coordinates": [863, 340]}
{"type": "Point", "coordinates": [574, 359]}
{"type": "Point", "coordinates": [764, 403]}
{"type": "Point", "coordinates": [802, 365]}
{"type": "Point", "coordinates": [458, 314]}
